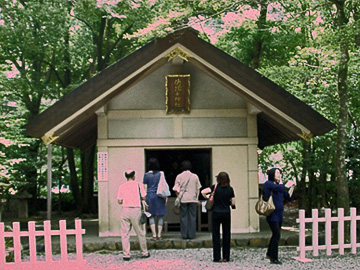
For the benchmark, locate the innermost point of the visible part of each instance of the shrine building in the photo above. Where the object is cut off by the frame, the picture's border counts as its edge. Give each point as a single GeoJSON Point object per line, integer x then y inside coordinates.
{"type": "Point", "coordinates": [178, 98]}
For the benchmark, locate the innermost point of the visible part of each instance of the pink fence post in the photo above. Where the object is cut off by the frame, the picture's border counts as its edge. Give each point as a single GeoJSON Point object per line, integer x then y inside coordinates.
{"type": "Point", "coordinates": [341, 230]}
{"type": "Point", "coordinates": [63, 240]}
{"type": "Point", "coordinates": [17, 244]}
{"type": "Point", "coordinates": [353, 229]}
{"type": "Point", "coordinates": [328, 231]}
{"type": "Point", "coordinates": [47, 241]}
{"type": "Point", "coordinates": [302, 242]}
{"type": "Point", "coordinates": [78, 237]}
{"type": "Point", "coordinates": [302, 234]}
{"type": "Point", "coordinates": [32, 241]}
{"type": "Point", "coordinates": [315, 232]}
{"type": "Point", "coordinates": [2, 246]}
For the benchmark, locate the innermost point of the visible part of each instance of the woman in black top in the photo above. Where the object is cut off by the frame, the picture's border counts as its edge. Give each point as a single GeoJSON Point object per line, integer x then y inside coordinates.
{"type": "Point", "coordinates": [224, 197]}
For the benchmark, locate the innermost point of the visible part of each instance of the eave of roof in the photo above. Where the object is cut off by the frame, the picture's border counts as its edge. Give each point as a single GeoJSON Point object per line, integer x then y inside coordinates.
{"type": "Point", "coordinates": [67, 117]}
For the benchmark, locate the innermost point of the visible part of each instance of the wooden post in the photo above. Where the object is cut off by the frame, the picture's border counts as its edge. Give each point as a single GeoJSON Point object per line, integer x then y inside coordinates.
{"type": "Point", "coordinates": [47, 241]}
{"type": "Point", "coordinates": [17, 244]}
{"type": "Point", "coordinates": [341, 230]}
{"type": "Point", "coordinates": [79, 243]}
{"type": "Point", "coordinates": [315, 233]}
{"type": "Point", "coordinates": [302, 234]}
{"type": "Point", "coordinates": [63, 240]}
{"type": "Point", "coordinates": [2, 246]}
{"type": "Point", "coordinates": [32, 241]}
{"type": "Point", "coordinates": [49, 180]}
{"type": "Point", "coordinates": [328, 231]}
{"type": "Point", "coordinates": [353, 230]}
{"type": "Point", "coordinates": [302, 243]}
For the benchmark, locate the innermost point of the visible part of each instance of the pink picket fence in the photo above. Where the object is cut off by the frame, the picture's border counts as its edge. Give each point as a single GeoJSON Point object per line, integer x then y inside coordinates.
{"type": "Point", "coordinates": [328, 220]}
{"type": "Point", "coordinates": [46, 234]}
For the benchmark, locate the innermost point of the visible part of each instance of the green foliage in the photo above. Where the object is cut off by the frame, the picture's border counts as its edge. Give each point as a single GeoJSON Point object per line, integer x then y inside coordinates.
{"type": "Point", "coordinates": [300, 53]}
{"type": "Point", "coordinates": [12, 141]}
{"type": "Point", "coordinates": [49, 47]}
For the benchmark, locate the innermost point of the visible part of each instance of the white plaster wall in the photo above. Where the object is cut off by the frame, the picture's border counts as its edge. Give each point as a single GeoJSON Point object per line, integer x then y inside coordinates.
{"type": "Point", "coordinates": [253, 191]}
{"type": "Point", "coordinates": [121, 159]}
{"type": "Point", "coordinates": [218, 120]}
{"type": "Point", "coordinates": [149, 94]}
{"type": "Point", "coordinates": [211, 127]}
{"type": "Point", "coordinates": [141, 128]}
{"type": "Point", "coordinates": [233, 160]}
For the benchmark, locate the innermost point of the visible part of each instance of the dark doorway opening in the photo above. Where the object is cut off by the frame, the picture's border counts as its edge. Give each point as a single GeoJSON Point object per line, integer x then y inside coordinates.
{"type": "Point", "coordinates": [170, 163]}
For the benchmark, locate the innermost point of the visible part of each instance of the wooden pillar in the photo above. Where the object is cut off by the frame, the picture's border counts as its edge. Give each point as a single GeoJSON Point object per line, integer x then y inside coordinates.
{"type": "Point", "coordinates": [49, 180]}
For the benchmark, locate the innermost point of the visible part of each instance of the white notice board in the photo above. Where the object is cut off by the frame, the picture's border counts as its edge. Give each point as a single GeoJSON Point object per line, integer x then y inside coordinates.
{"type": "Point", "coordinates": [102, 166]}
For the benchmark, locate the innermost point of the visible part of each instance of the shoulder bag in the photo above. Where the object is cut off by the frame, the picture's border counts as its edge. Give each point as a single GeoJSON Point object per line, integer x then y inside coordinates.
{"type": "Point", "coordinates": [163, 190]}
{"type": "Point", "coordinates": [265, 208]}
{"type": "Point", "coordinates": [143, 217]}
{"type": "Point", "coordinates": [176, 208]}
{"type": "Point", "coordinates": [210, 202]}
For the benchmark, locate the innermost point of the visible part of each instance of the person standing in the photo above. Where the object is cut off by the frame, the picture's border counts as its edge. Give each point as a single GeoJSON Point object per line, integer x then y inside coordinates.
{"type": "Point", "coordinates": [187, 184]}
{"type": "Point", "coordinates": [274, 186]}
{"type": "Point", "coordinates": [157, 205]}
{"type": "Point", "coordinates": [130, 196]}
{"type": "Point", "coordinates": [224, 197]}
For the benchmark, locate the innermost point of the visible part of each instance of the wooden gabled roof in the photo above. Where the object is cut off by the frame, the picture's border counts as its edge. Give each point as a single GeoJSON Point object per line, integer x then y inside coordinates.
{"type": "Point", "coordinates": [72, 121]}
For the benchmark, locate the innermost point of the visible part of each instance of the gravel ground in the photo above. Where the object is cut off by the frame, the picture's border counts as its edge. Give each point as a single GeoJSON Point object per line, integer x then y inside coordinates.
{"type": "Point", "coordinates": [194, 259]}
{"type": "Point", "coordinates": [249, 258]}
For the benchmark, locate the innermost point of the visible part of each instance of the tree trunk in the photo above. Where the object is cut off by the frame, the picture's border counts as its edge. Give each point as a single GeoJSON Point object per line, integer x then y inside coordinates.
{"type": "Point", "coordinates": [303, 202]}
{"type": "Point", "coordinates": [340, 163]}
{"type": "Point", "coordinates": [31, 176]}
{"type": "Point", "coordinates": [87, 181]}
{"type": "Point", "coordinates": [99, 44]}
{"type": "Point", "coordinates": [323, 180]}
{"type": "Point", "coordinates": [356, 11]}
{"type": "Point", "coordinates": [259, 37]}
{"type": "Point", "coordinates": [74, 182]}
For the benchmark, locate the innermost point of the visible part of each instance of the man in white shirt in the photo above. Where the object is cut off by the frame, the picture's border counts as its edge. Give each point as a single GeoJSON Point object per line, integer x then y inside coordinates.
{"type": "Point", "coordinates": [130, 196]}
{"type": "Point", "coordinates": [187, 186]}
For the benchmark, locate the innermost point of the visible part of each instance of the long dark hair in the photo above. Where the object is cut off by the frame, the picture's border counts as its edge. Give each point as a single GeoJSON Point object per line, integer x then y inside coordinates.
{"type": "Point", "coordinates": [153, 165]}
{"type": "Point", "coordinates": [271, 173]}
{"type": "Point", "coordinates": [223, 179]}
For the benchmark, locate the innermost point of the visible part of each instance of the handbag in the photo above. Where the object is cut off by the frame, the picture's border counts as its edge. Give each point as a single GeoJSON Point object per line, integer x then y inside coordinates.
{"type": "Point", "coordinates": [210, 202]}
{"type": "Point", "coordinates": [143, 217]}
{"type": "Point", "coordinates": [265, 208]}
{"type": "Point", "coordinates": [177, 203]}
{"type": "Point", "coordinates": [163, 190]}
{"type": "Point", "coordinates": [176, 207]}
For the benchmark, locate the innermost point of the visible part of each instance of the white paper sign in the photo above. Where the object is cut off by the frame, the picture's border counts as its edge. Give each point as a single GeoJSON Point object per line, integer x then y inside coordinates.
{"type": "Point", "coordinates": [102, 166]}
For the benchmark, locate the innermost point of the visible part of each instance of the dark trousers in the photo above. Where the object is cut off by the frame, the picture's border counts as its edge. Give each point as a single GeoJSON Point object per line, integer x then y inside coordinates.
{"type": "Point", "coordinates": [188, 220]}
{"type": "Point", "coordinates": [273, 249]}
{"type": "Point", "coordinates": [224, 219]}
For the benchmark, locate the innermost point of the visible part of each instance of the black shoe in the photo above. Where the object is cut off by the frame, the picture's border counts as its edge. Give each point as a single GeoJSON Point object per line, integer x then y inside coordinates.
{"type": "Point", "coordinates": [126, 259]}
{"type": "Point", "coordinates": [276, 261]}
{"type": "Point", "coordinates": [145, 256]}
{"type": "Point", "coordinates": [217, 261]}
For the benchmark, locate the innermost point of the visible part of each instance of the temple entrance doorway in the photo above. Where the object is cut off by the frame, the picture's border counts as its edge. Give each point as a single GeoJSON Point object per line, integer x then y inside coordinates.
{"type": "Point", "coordinates": [170, 163]}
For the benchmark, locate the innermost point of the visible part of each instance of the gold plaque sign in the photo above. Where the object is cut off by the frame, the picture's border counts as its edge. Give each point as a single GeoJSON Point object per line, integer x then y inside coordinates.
{"type": "Point", "coordinates": [177, 93]}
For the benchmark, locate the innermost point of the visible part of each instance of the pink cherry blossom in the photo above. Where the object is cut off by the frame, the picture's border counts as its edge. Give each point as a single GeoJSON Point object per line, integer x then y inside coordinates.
{"type": "Point", "coordinates": [6, 142]}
